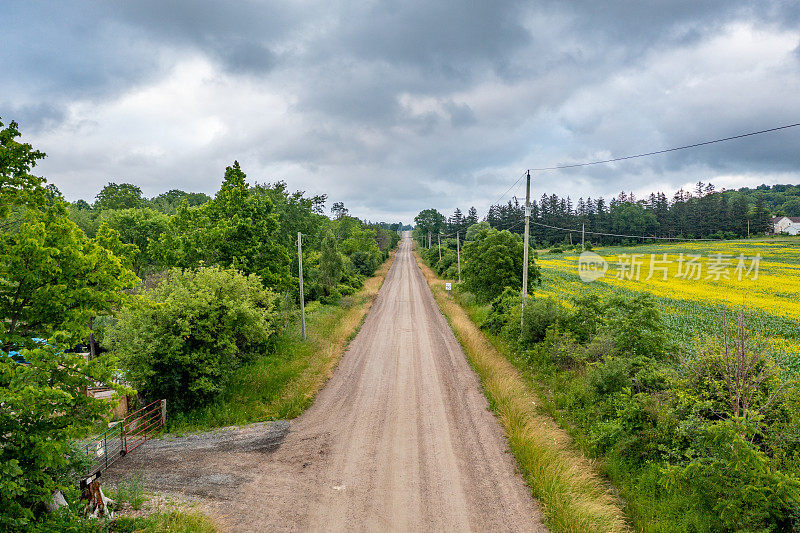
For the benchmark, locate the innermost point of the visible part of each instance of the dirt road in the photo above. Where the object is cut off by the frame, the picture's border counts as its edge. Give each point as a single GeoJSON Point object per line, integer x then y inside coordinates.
{"type": "Point", "coordinates": [400, 439]}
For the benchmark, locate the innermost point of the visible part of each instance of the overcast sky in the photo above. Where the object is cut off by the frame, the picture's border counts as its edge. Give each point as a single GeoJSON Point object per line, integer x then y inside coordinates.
{"type": "Point", "coordinates": [394, 107]}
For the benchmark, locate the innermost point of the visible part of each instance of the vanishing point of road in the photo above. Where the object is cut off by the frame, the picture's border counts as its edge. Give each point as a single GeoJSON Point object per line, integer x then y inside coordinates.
{"type": "Point", "coordinates": [400, 439]}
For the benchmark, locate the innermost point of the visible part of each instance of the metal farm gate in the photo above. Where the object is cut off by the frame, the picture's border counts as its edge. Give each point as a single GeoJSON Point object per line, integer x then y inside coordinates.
{"type": "Point", "coordinates": [125, 436]}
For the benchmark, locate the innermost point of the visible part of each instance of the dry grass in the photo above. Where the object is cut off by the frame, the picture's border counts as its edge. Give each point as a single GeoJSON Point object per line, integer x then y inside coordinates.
{"type": "Point", "coordinates": [568, 486]}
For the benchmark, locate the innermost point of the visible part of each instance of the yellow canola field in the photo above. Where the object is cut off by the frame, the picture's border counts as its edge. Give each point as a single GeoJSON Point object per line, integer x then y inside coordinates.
{"type": "Point", "coordinates": [717, 279]}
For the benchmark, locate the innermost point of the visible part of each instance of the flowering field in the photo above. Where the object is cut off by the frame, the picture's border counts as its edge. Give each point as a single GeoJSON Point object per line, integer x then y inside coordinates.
{"type": "Point", "coordinates": [691, 282]}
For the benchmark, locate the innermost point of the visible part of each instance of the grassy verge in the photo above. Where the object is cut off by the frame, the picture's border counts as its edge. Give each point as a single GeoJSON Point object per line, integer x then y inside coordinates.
{"type": "Point", "coordinates": [283, 384]}
{"type": "Point", "coordinates": [174, 521]}
{"type": "Point", "coordinates": [568, 486]}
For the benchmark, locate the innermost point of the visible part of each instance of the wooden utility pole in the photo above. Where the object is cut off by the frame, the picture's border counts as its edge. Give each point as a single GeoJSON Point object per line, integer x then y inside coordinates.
{"type": "Point", "coordinates": [439, 238]}
{"type": "Point", "coordinates": [302, 296]}
{"type": "Point", "coordinates": [525, 244]}
{"type": "Point", "coordinates": [429, 239]}
{"type": "Point", "coordinates": [748, 228]}
{"type": "Point", "coordinates": [458, 252]}
{"type": "Point", "coordinates": [583, 237]}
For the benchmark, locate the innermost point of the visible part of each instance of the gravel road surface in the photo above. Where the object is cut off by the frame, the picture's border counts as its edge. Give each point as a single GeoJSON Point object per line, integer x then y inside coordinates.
{"type": "Point", "coordinates": [400, 439]}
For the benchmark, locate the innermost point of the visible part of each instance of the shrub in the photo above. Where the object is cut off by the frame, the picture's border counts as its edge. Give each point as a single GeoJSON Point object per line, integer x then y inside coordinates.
{"type": "Point", "coordinates": [191, 331]}
{"type": "Point", "coordinates": [736, 484]}
{"type": "Point", "coordinates": [364, 263]}
{"type": "Point", "coordinates": [539, 314]}
{"type": "Point", "coordinates": [500, 310]}
{"type": "Point", "coordinates": [610, 377]}
{"type": "Point", "coordinates": [636, 325]}
{"type": "Point", "coordinates": [493, 262]}
{"type": "Point", "coordinates": [585, 317]}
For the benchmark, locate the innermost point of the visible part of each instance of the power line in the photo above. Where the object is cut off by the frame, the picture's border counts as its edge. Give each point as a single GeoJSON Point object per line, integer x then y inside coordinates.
{"type": "Point", "coordinates": [618, 234]}
{"type": "Point", "coordinates": [512, 186]}
{"type": "Point", "coordinates": [656, 152]}
{"type": "Point", "coordinates": [695, 145]}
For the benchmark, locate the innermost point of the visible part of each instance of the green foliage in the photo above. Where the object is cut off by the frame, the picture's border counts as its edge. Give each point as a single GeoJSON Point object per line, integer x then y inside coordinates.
{"type": "Point", "coordinates": [364, 262]}
{"type": "Point", "coordinates": [169, 201]}
{"type": "Point", "coordinates": [192, 331]}
{"type": "Point", "coordinates": [735, 484]}
{"type": "Point", "coordinates": [428, 221]}
{"type": "Point", "coordinates": [17, 186]}
{"type": "Point", "coordinates": [174, 521]}
{"type": "Point", "coordinates": [331, 264]}
{"type": "Point", "coordinates": [539, 315]}
{"type": "Point", "coordinates": [493, 262]}
{"type": "Point", "coordinates": [55, 282]}
{"type": "Point", "coordinates": [504, 308]}
{"type": "Point", "coordinates": [636, 325]}
{"type": "Point", "coordinates": [138, 227]}
{"type": "Point", "coordinates": [709, 441]}
{"type": "Point", "coordinates": [236, 229]}
{"type": "Point", "coordinates": [703, 441]}
{"type": "Point", "coordinates": [119, 196]}
{"type": "Point", "coordinates": [56, 279]}
{"type": "Point", "coordinates": [475, 229]}
{"type": "Point", "coordinates": [129, 491]}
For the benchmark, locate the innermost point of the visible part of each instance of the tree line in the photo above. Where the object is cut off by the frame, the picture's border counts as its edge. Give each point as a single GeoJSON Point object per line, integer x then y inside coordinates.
{"type": "Point", "coordinates": [700, 214]}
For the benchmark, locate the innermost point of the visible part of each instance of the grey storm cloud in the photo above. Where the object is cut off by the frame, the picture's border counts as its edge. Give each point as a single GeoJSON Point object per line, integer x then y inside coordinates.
{"type": "Point", "coordinates": [396, 106]}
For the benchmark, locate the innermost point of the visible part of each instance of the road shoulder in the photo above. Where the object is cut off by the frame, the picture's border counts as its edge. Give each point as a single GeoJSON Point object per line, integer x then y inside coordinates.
{"type": "Point", "coordinates": [568, 486]}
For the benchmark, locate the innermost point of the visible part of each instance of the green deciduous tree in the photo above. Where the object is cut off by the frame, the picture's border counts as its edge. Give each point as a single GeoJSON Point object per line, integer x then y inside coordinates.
{"type": "Point", "coordinates": [169, 201]}
{"type": "Point", "coordinates": [494, 261]}
{"type": "Point", "coordinates": [429, 221]}
{"type": "Point", "coordinates": [237, 228]}
{"type": "Point", "coordinates": [138, 227]}
{"type": "Point", "coordinates": [53, 282]}
{"type": "Point", "coordinates": [192, 331]}
{"type": "Point", "coordinates": [55, 279]}
{"type": "Point", "coordinates": [17, 185]}
{"type": "Point", "coordinates": [331, 263]}
{"type": "Point", "coordinates": [119, 196]}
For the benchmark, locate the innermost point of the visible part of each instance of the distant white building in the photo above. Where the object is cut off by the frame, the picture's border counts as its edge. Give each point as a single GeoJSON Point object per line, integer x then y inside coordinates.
{"type": "Point", "coordinates": [790, 225]}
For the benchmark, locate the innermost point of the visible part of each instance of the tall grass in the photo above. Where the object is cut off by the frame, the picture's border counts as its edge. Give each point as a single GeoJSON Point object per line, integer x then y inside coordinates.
{"type": "Point", "coordinates": [130, 491]}
{"type": "Point", "coordinates": [174, 521]}
{"type": "Point", "coordinates": [570, 490]}
{"type": "Point", "coordinates": [284, 383]}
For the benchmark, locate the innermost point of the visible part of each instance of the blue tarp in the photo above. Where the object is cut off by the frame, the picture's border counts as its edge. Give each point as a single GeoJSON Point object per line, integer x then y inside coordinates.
{"type": "Point", "coordinates": [15, 355]}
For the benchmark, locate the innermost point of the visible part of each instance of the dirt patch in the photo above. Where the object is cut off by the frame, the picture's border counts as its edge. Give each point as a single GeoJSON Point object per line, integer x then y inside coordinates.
{"type": "Point", "coordinates": [205, 464]}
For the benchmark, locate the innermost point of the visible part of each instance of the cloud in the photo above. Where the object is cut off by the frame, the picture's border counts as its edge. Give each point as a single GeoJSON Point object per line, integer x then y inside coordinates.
{"type": "Point", "coordinates": [394, 106]}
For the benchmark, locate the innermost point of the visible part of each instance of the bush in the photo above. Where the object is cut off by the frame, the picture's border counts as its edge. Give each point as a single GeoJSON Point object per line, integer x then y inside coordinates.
{"type": "Point", "coordinates": [364, 263]}
{"type": "Point", "coordinates": [636, 325]}
{"type": "Point", "coordinates": [539, 314]}
{"type": "Point", "coordinates": [736, 484]}
{"type": "Point", "coordinates": [493, 262]}
{"type": "Point", "coordinates": [191, 331]}
{"type": "Point", "coordinates": [500, 311]}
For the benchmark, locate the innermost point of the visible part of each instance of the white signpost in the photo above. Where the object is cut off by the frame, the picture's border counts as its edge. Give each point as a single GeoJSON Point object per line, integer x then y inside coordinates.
{"type": "Point", "coordinates": [448, 286]}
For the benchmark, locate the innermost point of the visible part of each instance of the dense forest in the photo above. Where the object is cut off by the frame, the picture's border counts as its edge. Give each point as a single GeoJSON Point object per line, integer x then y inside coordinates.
{"type": "Point", "coordinates": [703, 213]}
